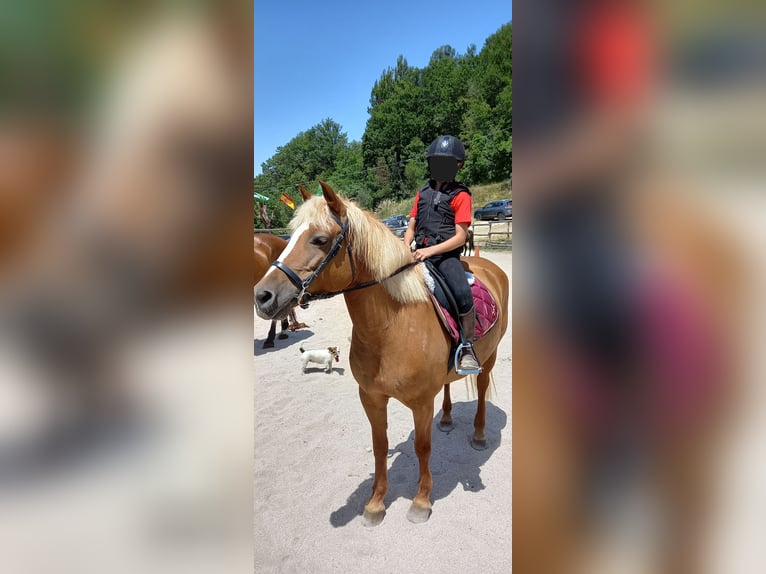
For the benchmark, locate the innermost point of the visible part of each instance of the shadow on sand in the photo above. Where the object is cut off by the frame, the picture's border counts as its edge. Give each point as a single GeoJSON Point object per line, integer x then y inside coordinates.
{"type": "Point", "coordinates": [335, 370]}
{"type": "Point", "coordinates": [453, 462]}
{"type": "Point", "coordinates": [292, 338]}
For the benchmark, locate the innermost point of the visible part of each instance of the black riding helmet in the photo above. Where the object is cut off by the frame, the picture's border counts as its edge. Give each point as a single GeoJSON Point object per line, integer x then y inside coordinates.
{"type": "Point", "coordinates": [446, 146]}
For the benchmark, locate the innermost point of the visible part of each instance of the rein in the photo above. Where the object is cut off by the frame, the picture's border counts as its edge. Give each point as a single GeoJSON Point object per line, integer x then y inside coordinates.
{"type": "Point", "coordinates": [308, 297]}
{"type": "Point", "coordinates": [304, 297]}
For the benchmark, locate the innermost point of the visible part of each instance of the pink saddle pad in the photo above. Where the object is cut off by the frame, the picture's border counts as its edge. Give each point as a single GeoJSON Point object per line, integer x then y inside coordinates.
{"type": "Point", "coordinates": [486, 312]}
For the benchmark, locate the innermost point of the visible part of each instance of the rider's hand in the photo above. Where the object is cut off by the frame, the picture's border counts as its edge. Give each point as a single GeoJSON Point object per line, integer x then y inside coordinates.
{"type": "Point", "coordinates": [422, 254]}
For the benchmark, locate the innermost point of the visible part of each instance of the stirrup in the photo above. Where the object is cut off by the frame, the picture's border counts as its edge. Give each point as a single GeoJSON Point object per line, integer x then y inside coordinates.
{"type": "Point", "coordinates": [458, 353]}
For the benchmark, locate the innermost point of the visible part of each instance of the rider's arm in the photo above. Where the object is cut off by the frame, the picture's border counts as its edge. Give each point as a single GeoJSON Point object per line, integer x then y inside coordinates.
{"type": "Point", "coordinates": [409, 235]}
{"type": "Point", "coordinates": [454, 242]}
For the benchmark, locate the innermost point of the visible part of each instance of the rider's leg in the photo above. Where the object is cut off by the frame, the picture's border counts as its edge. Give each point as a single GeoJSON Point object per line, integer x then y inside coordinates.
{"type": "Point", "coordinates": [454, 275]}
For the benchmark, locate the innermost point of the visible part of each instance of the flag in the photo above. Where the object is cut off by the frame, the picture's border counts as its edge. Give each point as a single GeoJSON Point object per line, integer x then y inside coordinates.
{"type": "Point", "coordinates": [260, 196]}
{"type": "Point", "coordinates": [287, 200]}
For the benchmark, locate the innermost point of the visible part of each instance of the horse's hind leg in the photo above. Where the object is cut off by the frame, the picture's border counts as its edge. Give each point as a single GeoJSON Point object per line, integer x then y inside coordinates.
{"type": "Point", "coordinates": [445, 424]}
{"type": "Point", "coordinates": [283, 332]}
{"type": "Point", "coordinates": [479, 440]}
{"type": "Point", "coordinates": [269, 342]}
{"type": "Point", "coordinates": [376, 409]}
{"type": "Point", "coordinates": [420, 509]}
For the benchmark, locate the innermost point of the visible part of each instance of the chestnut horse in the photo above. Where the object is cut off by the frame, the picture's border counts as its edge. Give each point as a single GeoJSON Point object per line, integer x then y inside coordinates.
{"type": "Point", "coordinates": [469, 248]}
{"type": "Point", "coordinates": [266, 249]}
{"type": "Point", "coordinates": [339, 248]}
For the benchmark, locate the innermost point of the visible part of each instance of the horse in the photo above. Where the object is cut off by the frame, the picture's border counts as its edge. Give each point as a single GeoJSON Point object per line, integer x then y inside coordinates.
{"type": "Point", "coordinates": [337, 247]}
{"type": "Point", "coordinates": [266, 249]}
{"type": "Point", "coordinates": [677, 403]}
{"type": "Point", "coordinates": [469, 248]}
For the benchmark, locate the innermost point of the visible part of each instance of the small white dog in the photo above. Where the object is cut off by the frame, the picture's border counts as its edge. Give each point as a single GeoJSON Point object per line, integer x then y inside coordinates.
{"type": "Point", "coordinates": [321, 356]}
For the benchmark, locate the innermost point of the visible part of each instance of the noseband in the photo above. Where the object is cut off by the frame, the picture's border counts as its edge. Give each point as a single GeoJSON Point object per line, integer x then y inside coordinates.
{"type": "Point", "coordinates": [302, 285]}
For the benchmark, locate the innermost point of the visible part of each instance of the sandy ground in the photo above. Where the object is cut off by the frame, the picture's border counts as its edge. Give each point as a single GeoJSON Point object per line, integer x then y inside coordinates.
{"type": "Point", "coordinates": [314, 464]}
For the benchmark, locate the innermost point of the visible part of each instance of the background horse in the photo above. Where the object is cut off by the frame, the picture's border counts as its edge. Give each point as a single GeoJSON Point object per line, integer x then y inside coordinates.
{"type": "Point", "coordinates": [391, 318]}
{"type": "Point", "coordinates": [266, 249]}
{"type": "Point", "coordinates": [469, 248]}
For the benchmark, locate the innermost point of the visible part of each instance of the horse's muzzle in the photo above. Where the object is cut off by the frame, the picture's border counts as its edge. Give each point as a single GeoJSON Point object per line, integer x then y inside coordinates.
{"type": "Point", "coordinates": [271, 304]}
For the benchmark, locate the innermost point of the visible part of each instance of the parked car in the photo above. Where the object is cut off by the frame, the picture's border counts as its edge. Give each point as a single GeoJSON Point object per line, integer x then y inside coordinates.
{"type": "Point", "coordinates": [398, 224]}
{"type": "Point", "coordinates": [499, 209]}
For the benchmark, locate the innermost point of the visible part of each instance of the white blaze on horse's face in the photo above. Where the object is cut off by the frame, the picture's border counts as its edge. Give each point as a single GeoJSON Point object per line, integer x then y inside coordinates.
{"type": "Point", "coordinates": [290, 246]}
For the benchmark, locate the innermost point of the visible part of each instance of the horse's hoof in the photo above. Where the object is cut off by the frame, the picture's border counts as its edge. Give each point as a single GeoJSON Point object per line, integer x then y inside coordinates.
{"type": "Point", "coordinates": [446, 426]}
{"type": "Point", "coordinates": [268, 344]}
{"type": "Point", "coordinates": [479, 443]}
{"type": "Point", "coordinates": [370, 519]}
{"type": "Point", "coordinates": [418, 514]}
{"type": "Point", "coordinates": [282, 336]}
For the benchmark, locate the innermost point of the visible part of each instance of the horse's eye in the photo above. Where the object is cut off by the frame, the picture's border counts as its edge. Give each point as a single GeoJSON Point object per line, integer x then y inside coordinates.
{"type": "Point", "coordinates": [320, 240]}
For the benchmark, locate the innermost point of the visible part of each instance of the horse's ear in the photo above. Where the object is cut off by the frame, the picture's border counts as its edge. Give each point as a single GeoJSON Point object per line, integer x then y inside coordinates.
{"type": "Point", "coordinates": [332, 199]}
{"type": "Point", "coordinates": [304, 194]}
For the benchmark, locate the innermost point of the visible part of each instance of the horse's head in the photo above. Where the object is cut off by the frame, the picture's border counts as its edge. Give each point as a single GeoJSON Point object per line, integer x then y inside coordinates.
{"type": "Point", "coordinates": [317, 259]}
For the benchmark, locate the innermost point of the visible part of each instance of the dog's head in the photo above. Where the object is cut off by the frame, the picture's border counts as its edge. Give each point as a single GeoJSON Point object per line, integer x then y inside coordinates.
{"type": "Point", "coordinates": [334, 352]}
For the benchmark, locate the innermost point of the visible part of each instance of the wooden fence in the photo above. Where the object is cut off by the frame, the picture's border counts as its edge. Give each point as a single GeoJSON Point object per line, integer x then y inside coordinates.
{"type": "Point", "coordinates": [275, 231]}
{"type": "Point", "coordinates": [493, 233]}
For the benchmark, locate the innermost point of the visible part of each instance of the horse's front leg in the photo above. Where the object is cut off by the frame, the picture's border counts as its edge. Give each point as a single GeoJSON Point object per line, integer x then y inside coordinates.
{"type": "Point", "coordinates": [269, 342]}
{"type": "Point", "coordinates": [283, 332]}
{"type": "Point", "coordinates": [376, 408]}
{"type": "Point", "coordinates": [420, 509]}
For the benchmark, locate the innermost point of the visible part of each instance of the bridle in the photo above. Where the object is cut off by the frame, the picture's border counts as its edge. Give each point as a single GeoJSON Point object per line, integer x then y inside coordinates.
{"type": "Point", "coordinates": [303, 297]}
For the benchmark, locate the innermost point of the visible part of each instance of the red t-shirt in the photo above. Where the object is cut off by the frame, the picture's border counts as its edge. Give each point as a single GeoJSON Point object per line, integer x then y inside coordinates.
{"type": "Point", "coordinates": [460, 204]}
{"type": "Point", "coordinates": [614, 51]}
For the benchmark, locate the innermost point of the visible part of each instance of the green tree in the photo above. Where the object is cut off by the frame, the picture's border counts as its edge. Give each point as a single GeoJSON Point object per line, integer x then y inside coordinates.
{"type": "Point", "coordinates": [397, 115]}
{"type": "Point", "coordinates": [487, 123]}
{"type": "Point", "coordinates": [445, 87]}
{"type": "Point", "coordinates": [309, 156]}
{"type": "Point", "coordinates": [350, 175]}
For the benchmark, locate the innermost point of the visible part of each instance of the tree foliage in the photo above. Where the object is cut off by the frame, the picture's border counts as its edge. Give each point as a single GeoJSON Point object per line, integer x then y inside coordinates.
{"type": "Point", "coordinates": [468, 95]}
{"type": "Point", "coordinates": [487, 125]}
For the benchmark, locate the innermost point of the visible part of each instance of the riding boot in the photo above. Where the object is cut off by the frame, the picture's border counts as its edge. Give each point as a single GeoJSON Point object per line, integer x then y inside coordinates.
{"type": "Point", "coordinates": [468, 360]}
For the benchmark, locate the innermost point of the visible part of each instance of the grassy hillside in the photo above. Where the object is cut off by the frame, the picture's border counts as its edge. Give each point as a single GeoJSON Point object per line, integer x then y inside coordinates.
{"type": "Point", "coordinates": [481, 194]}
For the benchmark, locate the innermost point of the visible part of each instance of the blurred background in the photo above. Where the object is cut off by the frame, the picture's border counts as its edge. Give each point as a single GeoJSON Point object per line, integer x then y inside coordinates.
{"type": "Point", "coordinates": [640, 320]}
{"type": "Point", "coordinates": [125, 326]}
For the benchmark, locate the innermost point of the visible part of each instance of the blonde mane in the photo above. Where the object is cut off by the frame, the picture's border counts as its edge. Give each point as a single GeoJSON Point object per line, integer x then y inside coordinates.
{"type": "Point", "coordinates": [373, 245]}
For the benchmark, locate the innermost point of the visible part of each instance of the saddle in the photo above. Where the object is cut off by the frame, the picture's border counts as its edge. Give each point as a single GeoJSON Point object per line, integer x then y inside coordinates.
{"type": "Point", "coordinates": [446, 309]}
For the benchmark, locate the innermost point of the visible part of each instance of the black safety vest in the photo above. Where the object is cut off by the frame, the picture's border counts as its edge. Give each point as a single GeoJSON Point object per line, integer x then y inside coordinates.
{"type": "Point", "coordinates": [436, 220]}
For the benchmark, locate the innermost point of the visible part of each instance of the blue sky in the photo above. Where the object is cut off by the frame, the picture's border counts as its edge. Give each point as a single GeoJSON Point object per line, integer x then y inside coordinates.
{"type": "Point", "coordinates": [317, 60]}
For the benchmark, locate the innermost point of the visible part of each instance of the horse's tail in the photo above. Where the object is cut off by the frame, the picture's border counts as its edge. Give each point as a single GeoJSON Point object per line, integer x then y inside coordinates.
{"type": "Point", "coordinates": [474, 388]}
